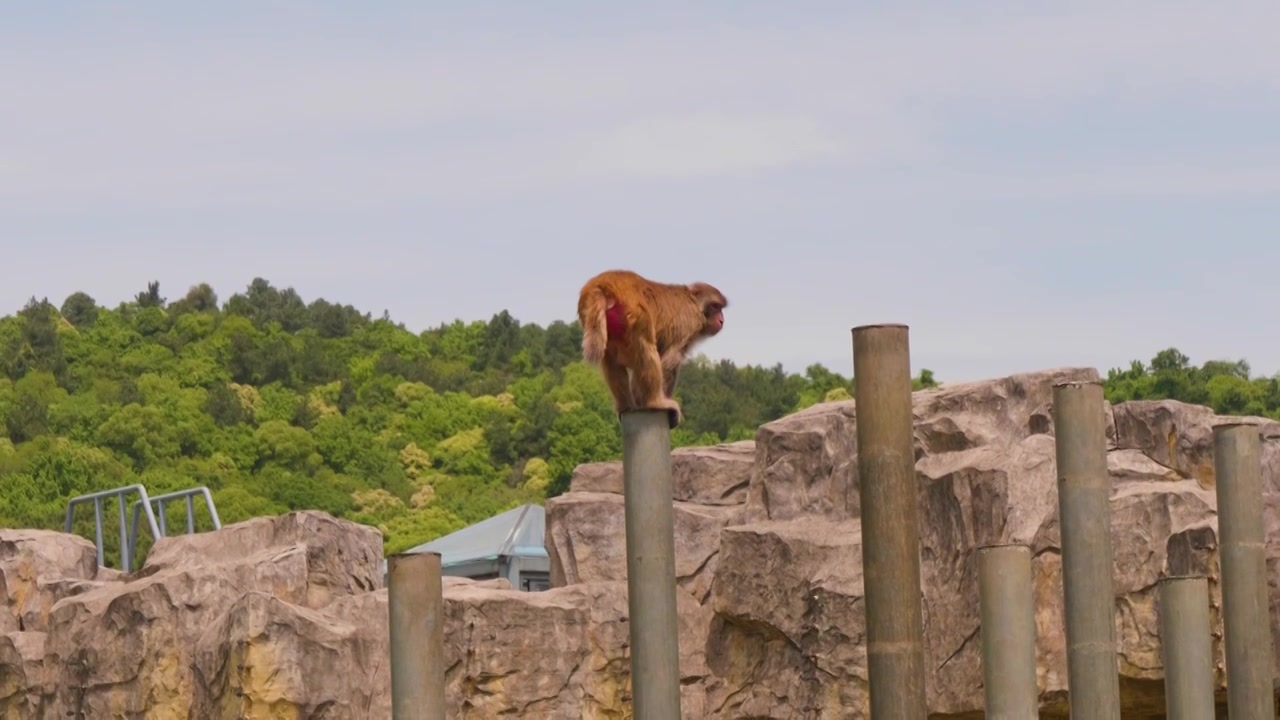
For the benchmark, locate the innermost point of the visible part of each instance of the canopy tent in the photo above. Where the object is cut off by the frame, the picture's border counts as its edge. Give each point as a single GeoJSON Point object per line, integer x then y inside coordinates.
{"type": "Point", "coordinates": [509, 545]}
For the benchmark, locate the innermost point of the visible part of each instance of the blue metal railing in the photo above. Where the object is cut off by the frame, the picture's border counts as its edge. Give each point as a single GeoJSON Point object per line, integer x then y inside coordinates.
{"type": "Point", "coordinates": [189, 494]}
{"type": "Point", "coordinates": [96, 498]}
{"type": "Point", "coordinates": [155, 520]}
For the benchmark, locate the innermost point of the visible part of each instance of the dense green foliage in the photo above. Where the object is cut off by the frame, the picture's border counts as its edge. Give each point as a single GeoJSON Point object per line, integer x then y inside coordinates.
{"type": "Point", "coordinates": [1225, 386]}
{"type": "Point", "coordinates": [277, 404]}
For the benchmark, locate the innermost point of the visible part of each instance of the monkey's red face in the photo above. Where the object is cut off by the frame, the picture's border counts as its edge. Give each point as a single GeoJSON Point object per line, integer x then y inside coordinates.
{"type": "Point", "coordinates": [715, 319]}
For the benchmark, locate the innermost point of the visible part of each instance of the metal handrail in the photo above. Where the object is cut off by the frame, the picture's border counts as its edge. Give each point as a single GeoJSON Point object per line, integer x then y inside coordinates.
{"type": "Point", "coordinates": [189, 494]}
{"type": "Point", "coordinates": [127, 540]}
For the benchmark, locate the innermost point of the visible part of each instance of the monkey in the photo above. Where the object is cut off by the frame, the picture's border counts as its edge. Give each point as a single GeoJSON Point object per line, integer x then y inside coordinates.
{"type": "Point", "coordinates": [639, 332]}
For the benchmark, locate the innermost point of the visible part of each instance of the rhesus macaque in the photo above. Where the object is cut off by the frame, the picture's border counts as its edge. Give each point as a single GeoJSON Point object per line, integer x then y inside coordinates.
{"type": "Point", "coordinates": [639, 332]}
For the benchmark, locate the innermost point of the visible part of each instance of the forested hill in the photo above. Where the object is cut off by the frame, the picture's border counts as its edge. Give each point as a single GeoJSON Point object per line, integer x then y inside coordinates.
{"type": "Point", "coordinates": [276, 403]}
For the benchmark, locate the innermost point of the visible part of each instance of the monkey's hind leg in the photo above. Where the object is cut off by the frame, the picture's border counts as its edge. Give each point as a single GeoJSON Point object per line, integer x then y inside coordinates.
{"type": "Point", "coordinates": [670, 378]}
{"type": "Point", "coordinates": [619, 385]}
{"type": "Point", "coordinates": [648, 387]}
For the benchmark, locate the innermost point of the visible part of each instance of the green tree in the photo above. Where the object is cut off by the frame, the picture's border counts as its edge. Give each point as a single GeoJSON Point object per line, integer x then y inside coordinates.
{"type": "Point", "coordinates": [79, 309]}
{"type": "Point", "coordinates": [1224, 385]}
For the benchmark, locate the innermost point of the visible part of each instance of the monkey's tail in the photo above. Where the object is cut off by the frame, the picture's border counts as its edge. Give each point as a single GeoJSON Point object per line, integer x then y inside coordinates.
{"type": "Point", "coordinates": [595, 330]}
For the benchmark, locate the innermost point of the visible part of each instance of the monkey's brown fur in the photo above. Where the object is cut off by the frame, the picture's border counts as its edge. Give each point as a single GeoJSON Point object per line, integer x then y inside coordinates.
{"type": "Point", "coordinates": [630, 323]}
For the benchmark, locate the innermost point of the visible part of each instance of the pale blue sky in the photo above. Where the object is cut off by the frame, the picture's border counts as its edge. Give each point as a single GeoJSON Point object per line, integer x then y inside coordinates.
{"type": "Point", "coordinates": [1069, 183]}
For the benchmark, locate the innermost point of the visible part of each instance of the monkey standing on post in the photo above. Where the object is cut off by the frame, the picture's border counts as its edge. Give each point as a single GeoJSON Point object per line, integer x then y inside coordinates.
{"type": "Point", "coordinates": [630, 323]}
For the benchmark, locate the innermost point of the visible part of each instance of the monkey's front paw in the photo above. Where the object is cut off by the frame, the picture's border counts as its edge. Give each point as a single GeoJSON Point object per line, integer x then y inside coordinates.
{"type": "Point", "coordinates": [675, 415]}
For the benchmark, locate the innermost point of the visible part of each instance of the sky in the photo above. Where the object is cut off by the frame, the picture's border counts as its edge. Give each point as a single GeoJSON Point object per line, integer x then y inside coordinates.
{"type": "Point", "coordinates": [1025, 185]}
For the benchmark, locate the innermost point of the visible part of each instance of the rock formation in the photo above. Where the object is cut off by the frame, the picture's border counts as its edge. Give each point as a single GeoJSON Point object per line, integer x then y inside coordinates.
{"type": "Point", "coordinates": [783, 567]}
{"type": "Point", "coordinates": [287, 616]}
{"type": "Point", "coordinates": [243, 622]}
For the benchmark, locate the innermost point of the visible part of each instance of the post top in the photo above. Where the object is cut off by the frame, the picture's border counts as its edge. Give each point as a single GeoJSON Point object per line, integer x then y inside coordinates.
{"type": "Point", "coordinates": [636, 418]}
{"type": "Point", "coordinates": [1077, 384]}
{"type": "Point", "coordinates": [410, 554]}
{"type": "Point", "coordinates": [1174, 578]}
{"type": "Point", "coordinates": [876, 326]}
{"type": "Point", "coordinates": [998, 546]}
{"type": "Point", "coordinates": [1229, 424]}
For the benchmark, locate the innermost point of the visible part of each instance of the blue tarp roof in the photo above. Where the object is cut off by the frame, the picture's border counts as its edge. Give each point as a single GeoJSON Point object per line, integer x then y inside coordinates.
{"type": "Point", "coordinates": [517, 532]}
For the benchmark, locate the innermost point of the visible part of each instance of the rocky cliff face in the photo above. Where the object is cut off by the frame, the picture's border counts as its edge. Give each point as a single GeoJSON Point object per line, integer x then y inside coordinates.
{"type": "Point", "coordinates": [769, 544]}
{"type": "Point", "coordinates": [287, 617]}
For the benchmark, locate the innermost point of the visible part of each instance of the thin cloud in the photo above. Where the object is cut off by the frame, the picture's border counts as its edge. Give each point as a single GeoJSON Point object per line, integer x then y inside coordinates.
{"type": "Point", "coordinates": [704, 145]}
{"type": "Point", "coordinates": [173, 125]}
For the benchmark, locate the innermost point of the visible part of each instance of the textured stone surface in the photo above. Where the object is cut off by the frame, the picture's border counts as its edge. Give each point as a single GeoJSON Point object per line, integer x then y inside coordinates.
{"type": "Point", "coordinates": [716, 475]}
{"type": "Point", "coordinates": [786, 636]}
{"type": "Point", "coordinates": [128, 644]}
{"type": "Point", "coordinates": [807, 462]}
{"type": "Point", "coordinates": [22, 674]}
{"type": "Point", "coordinates": [556, 654]}
{"type": "Point", "coordinates": [341, 557]}
{"type": "Point", "coordinates": [38, 568]}
{"type": "Point", "coordinates": [1180, 437]}
{"type": "Point", "coordinates": [265, 654]}
{"type": "Point", "coordinates": [586, 540]}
